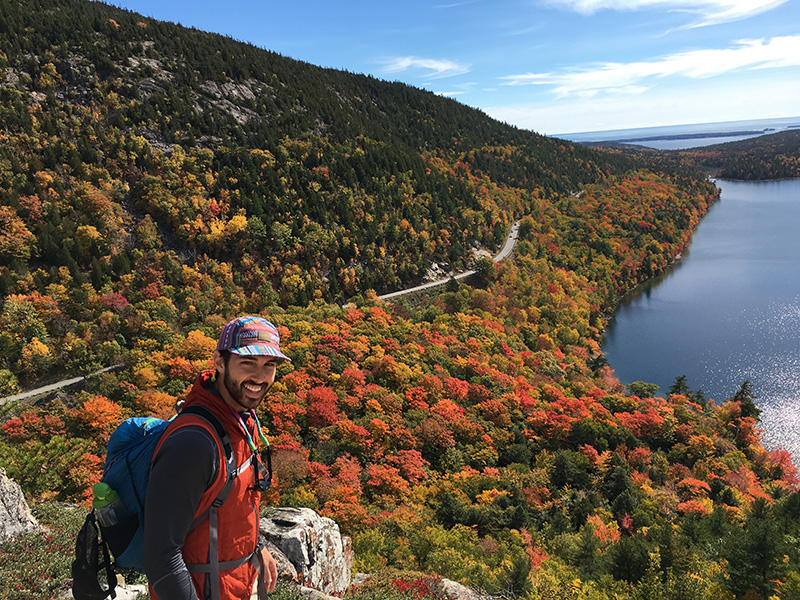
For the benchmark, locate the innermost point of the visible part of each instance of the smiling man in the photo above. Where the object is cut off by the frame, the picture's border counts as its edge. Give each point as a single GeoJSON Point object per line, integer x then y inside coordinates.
{"type": "Point", "coordinates": [201, 537]}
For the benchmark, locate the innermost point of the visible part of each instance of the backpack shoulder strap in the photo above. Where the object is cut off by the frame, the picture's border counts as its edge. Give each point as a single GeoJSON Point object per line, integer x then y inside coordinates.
{"type": "Point", "coordinates": [230, 460]}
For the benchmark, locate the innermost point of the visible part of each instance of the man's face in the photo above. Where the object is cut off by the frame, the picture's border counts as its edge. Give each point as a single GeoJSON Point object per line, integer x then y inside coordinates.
{"type": "Point", "coordinates": [245, 380]}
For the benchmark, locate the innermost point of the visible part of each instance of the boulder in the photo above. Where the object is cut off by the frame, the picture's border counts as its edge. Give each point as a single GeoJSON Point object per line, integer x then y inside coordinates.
{"type": "Point", "coordinates": [456, 591]}
{"type": "Point", "coordinates": [313, 544]}
{"type": "Point", "coordinates": [15, 515]}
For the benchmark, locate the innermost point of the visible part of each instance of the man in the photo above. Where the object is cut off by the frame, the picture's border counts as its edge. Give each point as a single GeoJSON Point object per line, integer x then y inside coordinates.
{"type": "Point", "coordinates": [193, 549]}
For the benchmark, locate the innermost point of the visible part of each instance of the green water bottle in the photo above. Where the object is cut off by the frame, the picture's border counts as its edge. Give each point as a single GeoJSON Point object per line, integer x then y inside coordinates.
{"type": "Point", "coordinates": [107, 504]}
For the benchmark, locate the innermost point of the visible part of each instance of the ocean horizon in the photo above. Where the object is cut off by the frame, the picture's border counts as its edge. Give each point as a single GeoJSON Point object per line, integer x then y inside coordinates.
{"type": "Point", "coordinates": [674, 137]}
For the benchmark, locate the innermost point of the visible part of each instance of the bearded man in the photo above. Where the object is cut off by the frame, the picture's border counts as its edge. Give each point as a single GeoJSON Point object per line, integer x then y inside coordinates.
{"type": "Point", "coordinates": [201, 529]}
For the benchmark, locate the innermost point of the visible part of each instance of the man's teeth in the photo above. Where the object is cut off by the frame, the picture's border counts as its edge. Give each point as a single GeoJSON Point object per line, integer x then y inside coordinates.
{"type": "Point", "coordinates": [253, 388]}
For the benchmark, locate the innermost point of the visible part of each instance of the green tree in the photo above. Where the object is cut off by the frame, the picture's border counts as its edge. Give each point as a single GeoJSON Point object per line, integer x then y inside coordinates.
{"type": "Point", "coordinates": [642, 389]}
{"type": "Point", "coordinates": [746, 398]}
{"type": "Point", "coordinates": [755, 553]}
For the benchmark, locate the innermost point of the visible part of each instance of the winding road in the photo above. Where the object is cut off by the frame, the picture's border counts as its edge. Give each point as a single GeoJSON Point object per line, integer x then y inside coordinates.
{"type": "Point", "coordinates": [505, 251]}
{"type": "Point", "coordinates": [45, 389]}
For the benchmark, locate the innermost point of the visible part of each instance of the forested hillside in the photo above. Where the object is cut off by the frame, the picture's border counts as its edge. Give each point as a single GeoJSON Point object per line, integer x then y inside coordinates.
{"type": "Point", "coordinates": [157, 181]}
{"type": "Point", "coordinates": [775, 156]}
{"type": "Point", "coordinates": [771, 156]}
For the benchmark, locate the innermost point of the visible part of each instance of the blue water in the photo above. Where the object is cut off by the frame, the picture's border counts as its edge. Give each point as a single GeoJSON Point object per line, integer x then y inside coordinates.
{"type": "Point", "coordinates": [682, 136]}
{"type": "Point", "coordinates": [728, 311]}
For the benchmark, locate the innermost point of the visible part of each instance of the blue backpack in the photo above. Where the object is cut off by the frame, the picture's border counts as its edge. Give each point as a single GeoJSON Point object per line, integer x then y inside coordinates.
{"type": "Point", "coordinates": [121, 524]}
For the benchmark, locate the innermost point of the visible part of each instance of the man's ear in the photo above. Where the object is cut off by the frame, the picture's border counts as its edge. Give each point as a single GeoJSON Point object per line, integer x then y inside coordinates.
{"type": "Point", "coordinates": [219, 362]}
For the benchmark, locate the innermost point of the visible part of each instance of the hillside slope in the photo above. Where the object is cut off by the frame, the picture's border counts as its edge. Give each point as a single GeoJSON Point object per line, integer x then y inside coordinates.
{"type": "Point", "coordinates": [355, 183]}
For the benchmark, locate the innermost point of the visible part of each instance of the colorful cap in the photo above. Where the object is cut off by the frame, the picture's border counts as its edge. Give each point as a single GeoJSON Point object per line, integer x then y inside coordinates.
{"type": "Point", "coordinates": [252, 336]}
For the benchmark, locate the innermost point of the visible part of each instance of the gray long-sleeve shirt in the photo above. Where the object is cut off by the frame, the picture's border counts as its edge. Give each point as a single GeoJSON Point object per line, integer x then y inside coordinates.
{"type": "Point", "coordinates": [184, 468]}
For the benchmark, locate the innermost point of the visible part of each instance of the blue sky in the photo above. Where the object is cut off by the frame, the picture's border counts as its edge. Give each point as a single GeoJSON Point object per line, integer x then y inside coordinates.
{"type": "Point", "coordinates": [552, 66]}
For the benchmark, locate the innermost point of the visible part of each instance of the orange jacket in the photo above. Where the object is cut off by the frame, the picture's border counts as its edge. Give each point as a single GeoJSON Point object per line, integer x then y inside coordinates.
{"type": "Point", "coordinates": [237, 519]}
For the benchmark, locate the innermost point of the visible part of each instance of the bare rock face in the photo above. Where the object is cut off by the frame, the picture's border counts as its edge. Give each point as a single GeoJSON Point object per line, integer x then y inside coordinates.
{"type": "Point", "coordinates": [15, 515]}
{"type": "Point", "coordinates": [322, 557]}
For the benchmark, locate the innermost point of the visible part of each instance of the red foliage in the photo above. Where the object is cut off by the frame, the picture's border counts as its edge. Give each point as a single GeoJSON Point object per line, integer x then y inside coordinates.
{"type": "Point", "coordinates": [781, 460]}
{"type": "Point", "coordinates": [113, 301]}
{"type": "Point", "coordinates": [602, 531]}
{"type": "Point", "coordinates": [182, 369]}
{"type": "Point", "coordinates": [746, 482]}
{"type": "Point", "coordinates": [448, 410]}
{"type": "Point", "coordinates": [692, 488]}
{"type": "Point", "coordinates": [591, 453]}
{"type": "Point", "coordinates": [353, 379]}
{"type": "Point", "coordinates": [693, 507]}
{"type": "Point", "coordinates": [358, 437]}
{"type": "Point", "coordinates": [457, 388]}
{"type": "Point", "coordinates": [411, 464]}
{"type": "Point", "coordinates": [626, 525]}
{"type": "Point", "coordinates": [33, 426]}
{"type": "Point", "coordinates": [322, 410]}
{"type": "Point", "coordinates": [646, 423]}
{"type": "Point", "coordinates": [285, 416]}
{"type": "Point", "coordinates": [386, 480]}
{"type": "Point", "coordinates": [348, 471]}
{"type": "Point", "coordinates": [427, 586]}
{"type": "Point", "coordinates": [416, 398]}
{"type": "Point", "coordinates": [478, 393]}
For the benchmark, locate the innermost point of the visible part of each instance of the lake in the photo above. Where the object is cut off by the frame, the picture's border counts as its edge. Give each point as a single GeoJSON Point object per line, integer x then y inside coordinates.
{"type": "Point", "coordinates": [727, 311]}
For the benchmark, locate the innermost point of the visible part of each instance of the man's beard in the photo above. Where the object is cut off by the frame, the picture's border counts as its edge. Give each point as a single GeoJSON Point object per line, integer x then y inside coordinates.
{"type": "Point", "coordinates": [238, 394]}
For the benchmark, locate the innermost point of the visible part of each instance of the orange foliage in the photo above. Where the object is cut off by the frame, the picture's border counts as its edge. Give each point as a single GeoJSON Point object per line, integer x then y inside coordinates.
{"type": "Point", "coordinates": [101, 415]}
{"type": "Point", "coordinates": [158, 404]}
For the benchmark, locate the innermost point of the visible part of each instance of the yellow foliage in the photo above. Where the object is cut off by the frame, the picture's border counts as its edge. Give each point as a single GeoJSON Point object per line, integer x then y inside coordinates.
{"type": "Point", "coordinates": [197, 346]}
{"type": "Point", "coordinates": [36, 358]}
{"type": "Point", "coordinates": [145, 378]}
{"type": "Point", "coordinates": [236, 224]}
{"type": "Point", "coordinates": [489, 496]}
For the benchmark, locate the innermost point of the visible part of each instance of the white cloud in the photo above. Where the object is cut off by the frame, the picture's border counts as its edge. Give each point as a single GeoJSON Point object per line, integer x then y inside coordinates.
{"type": "Point", "coordinates": [436, 68]}
{"type": "Point", "coordinates": [635, 77]}
{"type": "Point", "coordinates": [456, 4]}
{"type": "Point", "coordinates": [710, 11]}
{"type": "Point", "coordinates": [760, 95]}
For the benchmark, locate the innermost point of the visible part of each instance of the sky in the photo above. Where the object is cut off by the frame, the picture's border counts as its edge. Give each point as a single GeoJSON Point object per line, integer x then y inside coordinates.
{"type": "Point", "coordinates": [551, 66]}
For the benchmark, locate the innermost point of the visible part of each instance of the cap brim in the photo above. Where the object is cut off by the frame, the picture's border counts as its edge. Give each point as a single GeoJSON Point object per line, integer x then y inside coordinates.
{"type": "Point", "coordinates": [259, 350]}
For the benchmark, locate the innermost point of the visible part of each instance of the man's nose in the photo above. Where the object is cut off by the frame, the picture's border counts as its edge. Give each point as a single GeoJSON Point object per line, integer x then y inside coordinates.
{"type": "Point", "coordinates": [262, 374]}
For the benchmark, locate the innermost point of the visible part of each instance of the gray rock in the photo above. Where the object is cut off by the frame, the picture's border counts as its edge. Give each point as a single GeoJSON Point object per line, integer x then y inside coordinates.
{"type": "Point", "coordinates": [312, 594]}
{"type": "Point", "coordinates": [15, 515]}
{"type": "Point", "coordinates": [314, 545]}
{"type": "Point", "coordinates": [456, 591]}
{"type": "Point", "coordinates": [286, 570]}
